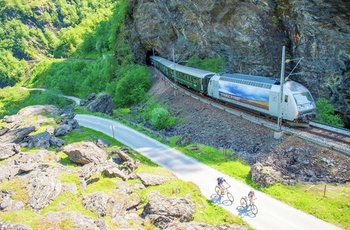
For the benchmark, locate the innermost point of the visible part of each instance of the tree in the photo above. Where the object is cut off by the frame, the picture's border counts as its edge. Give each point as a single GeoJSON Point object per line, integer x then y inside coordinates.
{"type": "Point", "coordinates": [326, 113]}
{"type": "Point", "coordinates": [11, 69]}
{"type": "Point", "coordinates": [133, 86]}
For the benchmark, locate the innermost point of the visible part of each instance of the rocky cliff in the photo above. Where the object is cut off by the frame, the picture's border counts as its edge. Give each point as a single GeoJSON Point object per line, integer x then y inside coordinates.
{"type": "Point", "coordinates": [250, 35]}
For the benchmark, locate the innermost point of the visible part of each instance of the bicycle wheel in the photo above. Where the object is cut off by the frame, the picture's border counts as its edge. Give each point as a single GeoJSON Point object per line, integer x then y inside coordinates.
{"type": "Point", "coordinates": [217, 190]}
{"type": "Point", "coordinates": [254, 209]}
{"type": "Point", "coordinates": [243, 202]}
{"type": "Point", "coordinates": [229, 196]}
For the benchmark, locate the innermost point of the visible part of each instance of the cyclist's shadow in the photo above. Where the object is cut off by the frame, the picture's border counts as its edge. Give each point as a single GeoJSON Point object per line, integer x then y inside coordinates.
{"type": "Point", "coordinates": [245, 211]}
{"type": "Point", "coordinates": [218, 199]}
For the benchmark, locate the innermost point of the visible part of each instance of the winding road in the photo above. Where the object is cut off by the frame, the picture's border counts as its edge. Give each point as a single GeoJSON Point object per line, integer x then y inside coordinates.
{"type": "Point", "coordinates": [273, 214]}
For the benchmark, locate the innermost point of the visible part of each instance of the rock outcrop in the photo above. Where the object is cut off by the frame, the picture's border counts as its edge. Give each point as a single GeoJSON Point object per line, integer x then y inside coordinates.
{"type": "Point", "coordinates": [102, 103]}
{"type": "Point", "coordinates": [85, 152]}
{"type": "Point", "coordinates": [43, 179]}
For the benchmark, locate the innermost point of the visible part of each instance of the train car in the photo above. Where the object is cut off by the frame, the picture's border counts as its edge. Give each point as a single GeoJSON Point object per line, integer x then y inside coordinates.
{"type": "Point", "coordinates": [193, 78]}
{"type": "Point", "coordinates": [262, 95]}
{"type": "Point", "coordinates": [162, 64]}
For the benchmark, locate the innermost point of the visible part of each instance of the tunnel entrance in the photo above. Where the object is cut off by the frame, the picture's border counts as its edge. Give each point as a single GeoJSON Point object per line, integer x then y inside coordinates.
{"type": "Point", "coordinates": [150, 53]}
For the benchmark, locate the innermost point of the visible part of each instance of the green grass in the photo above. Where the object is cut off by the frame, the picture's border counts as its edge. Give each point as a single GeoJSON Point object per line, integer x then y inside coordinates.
{"type": "Point", "coordinates": [328, 202]}
{"type": "Point", "coordinates": [334, 208]}
{"type": "Point", "coordinates": [69, 201]}
{"type": "Point", "coordinates": [205, 211]}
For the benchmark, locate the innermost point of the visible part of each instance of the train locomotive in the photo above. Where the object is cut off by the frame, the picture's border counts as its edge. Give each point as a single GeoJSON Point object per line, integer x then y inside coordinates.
{"type": "Point", "coordinates": [256, 93]}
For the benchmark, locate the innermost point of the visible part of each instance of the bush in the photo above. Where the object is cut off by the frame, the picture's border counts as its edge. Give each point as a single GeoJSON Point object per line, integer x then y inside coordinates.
{"type": "Point", "coordinates": [326, 114]}
{"type": "Point", "coordinates": [160, 118]}
{"type": "Point", "coordinates": [133, 86]}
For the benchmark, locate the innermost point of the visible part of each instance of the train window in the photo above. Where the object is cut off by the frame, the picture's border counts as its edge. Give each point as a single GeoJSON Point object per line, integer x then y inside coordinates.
{"type": "Point", "coordinates": [286, 98]}
{"type": "Point", "coordinates": [303, 98]}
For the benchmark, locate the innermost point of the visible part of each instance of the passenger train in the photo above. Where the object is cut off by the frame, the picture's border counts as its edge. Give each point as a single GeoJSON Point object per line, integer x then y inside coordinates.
{"type": "Point", "coordinates": [256, 93]}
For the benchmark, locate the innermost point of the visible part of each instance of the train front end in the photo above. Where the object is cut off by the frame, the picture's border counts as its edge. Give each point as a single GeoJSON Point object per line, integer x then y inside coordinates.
{"type": "Point", "coordinates": [304, 102]}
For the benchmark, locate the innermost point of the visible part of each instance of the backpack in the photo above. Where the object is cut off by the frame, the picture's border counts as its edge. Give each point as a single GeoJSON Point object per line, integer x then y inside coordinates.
{"type": "Point", "coordinates": [219, 179]}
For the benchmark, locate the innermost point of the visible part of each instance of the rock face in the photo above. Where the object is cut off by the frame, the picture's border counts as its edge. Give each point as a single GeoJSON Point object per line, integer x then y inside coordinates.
{"type": "Point", "coordinates": [102, 103]}
{"type": "Point", "coordinates": [250, 36]}
{"type": "Point", "coordinates": [265, 175]}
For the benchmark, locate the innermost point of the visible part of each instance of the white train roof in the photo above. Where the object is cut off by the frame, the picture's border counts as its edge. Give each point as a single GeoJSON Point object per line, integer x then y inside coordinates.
{"type": "Point", "coordinates": [183, 69]}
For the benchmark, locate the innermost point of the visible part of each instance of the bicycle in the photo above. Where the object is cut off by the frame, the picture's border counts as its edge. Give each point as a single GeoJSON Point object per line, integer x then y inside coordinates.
{"type": "Point", "coordinates": [245, 203]}
{"type": "Point", "coordinates": [221, 192]}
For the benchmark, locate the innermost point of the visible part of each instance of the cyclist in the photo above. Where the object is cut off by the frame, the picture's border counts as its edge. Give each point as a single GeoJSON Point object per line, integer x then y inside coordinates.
{"type": "Point", "coordinates": [251, 196]}
{"type": "Point", "coordinates": [221, 181]}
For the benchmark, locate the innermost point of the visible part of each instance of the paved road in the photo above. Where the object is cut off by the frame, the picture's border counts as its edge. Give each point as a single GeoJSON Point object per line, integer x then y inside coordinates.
{"type": "Point", "coordinates": [273, 214]}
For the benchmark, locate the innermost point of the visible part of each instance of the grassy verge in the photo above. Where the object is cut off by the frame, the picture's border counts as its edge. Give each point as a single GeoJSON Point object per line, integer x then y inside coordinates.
{"type": "Point", "coordinates": [326, 201]}
{"type": "Point", "coordinates": [329, 202]}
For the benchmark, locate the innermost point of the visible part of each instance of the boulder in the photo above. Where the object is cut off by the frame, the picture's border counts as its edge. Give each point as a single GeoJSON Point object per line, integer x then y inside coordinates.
{"type": "Point", "coordinates": [161, 210]}
{"type": "Point", "coordinates": [148, 179]}
{"type": "Point", "coordinates": [41, 140]}
{"type": "Point", "coordinates": [55, 141]}
{"type": "Point", "coordinates": [63, 130]}
{"type": "Point", "coordinates": [103, 103]}
{"type": "Point", "coordinates": [42, 189]}
{"type": "Point", "coordinates": [16, 135]}
{"type": "Point", "coordinates": [85, 152]}
{"type": "Point", "coordinates": [265, 175]}
{"type": "Point", "coordinates": [38, 109]}
{"type": "Point", "coordinates": [8, 150]}
{"type": "Point", "coordinates": [112, 170]}
{"type": "Point", "coordinates": [96, 202]}
{"type": "Point", "coordinates": [90, 169]}
{"type": "Point", "coordinates": [101, 143]}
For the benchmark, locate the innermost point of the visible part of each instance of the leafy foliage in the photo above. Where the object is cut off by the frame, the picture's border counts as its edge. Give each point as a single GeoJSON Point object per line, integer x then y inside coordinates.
{"type": "Point", "coordinates": [160, 118]}
{"type": "Point", "coordinates": [132, 86]}
{"type": "Point", "coordinates": [11, 69]}
{"type": "Point", "coordinates": [41, 28]}
{"type": "Point", "coordinates": [326, 114]}
{"type": "Point", "coordinates": [214, 64]}
{"type": "Point", "coordinates": [12, 99]}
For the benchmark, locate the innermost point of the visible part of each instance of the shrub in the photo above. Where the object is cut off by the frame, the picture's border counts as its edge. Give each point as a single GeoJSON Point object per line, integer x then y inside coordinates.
{"type": "Point", "coordinates": [326, 114]}
{"type": "Point", "coordinates": [160, 118]}
{"type": "Point", "coordinates": [133, 86]}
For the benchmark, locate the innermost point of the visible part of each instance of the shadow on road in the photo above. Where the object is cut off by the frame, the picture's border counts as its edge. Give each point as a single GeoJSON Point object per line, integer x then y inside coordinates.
{"type": "Point", "coordinates": [245, 211]}
{"type": "Point", "coordinates": [217, 199]}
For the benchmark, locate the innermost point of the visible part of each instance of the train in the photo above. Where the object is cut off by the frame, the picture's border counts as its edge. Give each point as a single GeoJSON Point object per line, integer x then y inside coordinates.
{"type": "Point", "coordinates": [255, 93]}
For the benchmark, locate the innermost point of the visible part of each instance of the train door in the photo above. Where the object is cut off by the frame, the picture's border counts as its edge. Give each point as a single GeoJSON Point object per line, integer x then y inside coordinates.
{"type": "Point", "coordinates": [274, 103]}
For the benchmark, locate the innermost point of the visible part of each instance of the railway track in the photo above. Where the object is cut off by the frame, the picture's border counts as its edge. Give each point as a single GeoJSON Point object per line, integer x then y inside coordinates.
{"type": "Point", "coordinates": [323, 135]}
